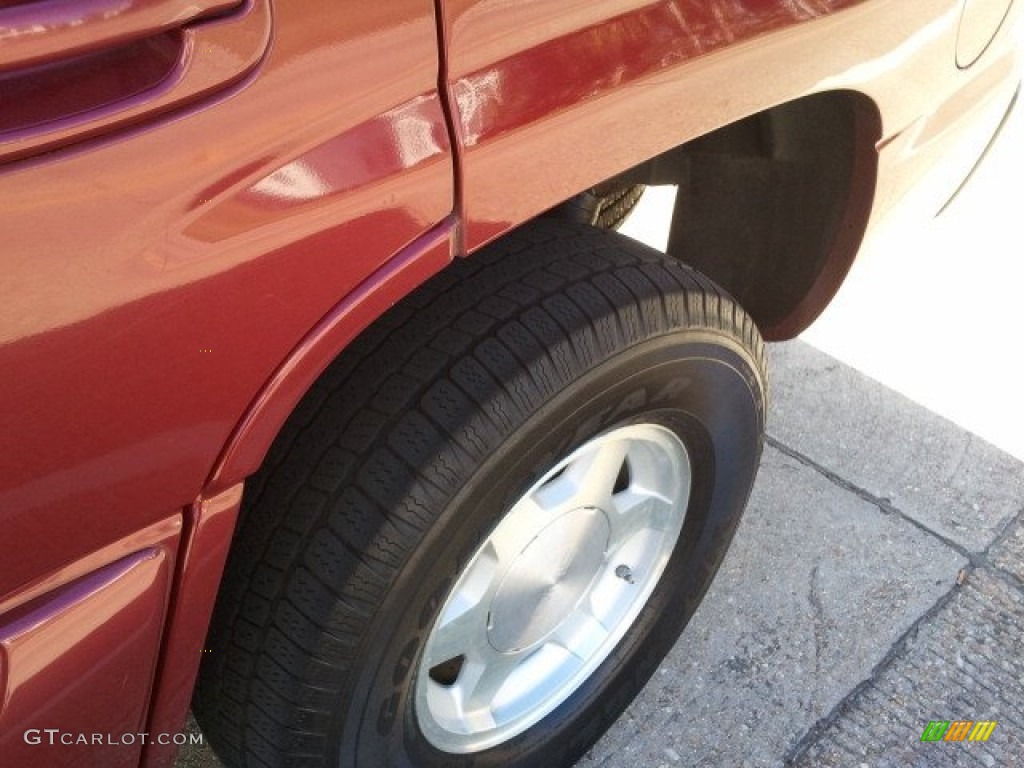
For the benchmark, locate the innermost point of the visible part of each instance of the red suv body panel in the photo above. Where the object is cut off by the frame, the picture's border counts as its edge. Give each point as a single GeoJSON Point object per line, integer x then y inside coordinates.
{"type": "Point", "coordinates": [181, 260]}
{"type": "Point", "coordinates": [154, 277]}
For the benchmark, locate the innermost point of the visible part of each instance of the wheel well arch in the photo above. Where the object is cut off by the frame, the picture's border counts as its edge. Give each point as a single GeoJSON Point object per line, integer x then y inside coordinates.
{"type": "Point", "coordinates": [782, 256]}
{"type": "Point", "coordinates": [265, 416]}
{"type": "Point", "coordinates": [774, 206]}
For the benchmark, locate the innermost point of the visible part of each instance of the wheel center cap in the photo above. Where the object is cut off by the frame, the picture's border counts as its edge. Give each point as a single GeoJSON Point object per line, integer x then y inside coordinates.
{"type": "Point", "coordinates": [548, 579]}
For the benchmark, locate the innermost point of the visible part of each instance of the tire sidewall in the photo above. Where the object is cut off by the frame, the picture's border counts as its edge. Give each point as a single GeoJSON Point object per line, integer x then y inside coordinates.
{"type": "Point", "coordinates": [701, 385]}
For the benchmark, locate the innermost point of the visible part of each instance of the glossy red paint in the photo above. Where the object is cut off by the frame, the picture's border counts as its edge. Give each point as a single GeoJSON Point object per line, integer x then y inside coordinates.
{"type": "Point", "coordinates": [81, 659]}
{"type": "Point", "coordinates": [36, 33]}
{"type": "Point", "coordinates": [137, 325]}
{"type": "Point", "coordinates": [187, 246]}
{"type": "Point", "coordinates": [620, 71]}
{"type": "Point", "coordinates": [250, 442]}
{"type": "Point", "coordinates": [157, 273]}
{"type": "Point", "coordinates": [600, 87]}
{"type": "Point", "coordinates": [171, 57]}
{"type": "Point", "coordinates": [209, 524]}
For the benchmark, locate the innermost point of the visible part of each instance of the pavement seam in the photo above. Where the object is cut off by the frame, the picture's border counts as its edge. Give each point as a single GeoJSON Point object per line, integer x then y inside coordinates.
{"type": "Point", "coordinates": [896, 650]}
{"type": "Point", "coordinates": [884, 505]}
{"type": "Point", "coordinates": [1012, 578]}
{"type": "Point", "coordinates": [899, 646]}
{"type": "Point", "coordinates": [848, 710]}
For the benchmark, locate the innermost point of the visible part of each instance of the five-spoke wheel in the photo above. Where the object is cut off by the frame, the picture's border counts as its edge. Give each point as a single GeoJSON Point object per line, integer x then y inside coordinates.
{"type": "Point", "coordinates": [553, 588]}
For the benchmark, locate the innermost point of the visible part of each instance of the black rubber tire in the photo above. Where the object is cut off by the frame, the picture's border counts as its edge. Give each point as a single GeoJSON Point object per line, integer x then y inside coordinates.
{"type": "Point", "coordinates": [606, 206]}
{"type": "Point", "coordinates": [406, 453]}
{"type": "Point", "coordinates": [616, 204]}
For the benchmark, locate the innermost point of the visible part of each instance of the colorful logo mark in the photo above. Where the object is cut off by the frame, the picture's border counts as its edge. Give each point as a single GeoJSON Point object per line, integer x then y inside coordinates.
{"type": "Point", "coordinates": [958, 730]}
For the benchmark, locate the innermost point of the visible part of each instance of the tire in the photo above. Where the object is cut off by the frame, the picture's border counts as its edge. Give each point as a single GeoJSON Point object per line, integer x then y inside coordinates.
{"type": "Point", "coordinates": [466, 404]}
{"type": "Point", "coordinates": [606, 206]}
{"type": "Point", "coordinates": [616, 203]}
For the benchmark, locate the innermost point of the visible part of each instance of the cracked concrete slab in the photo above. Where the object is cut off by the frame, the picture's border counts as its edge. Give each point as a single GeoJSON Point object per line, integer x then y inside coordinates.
{"type": "Point", "coordinates": [818, 586]}
{"type": "Point", "coordinates": [927, 467]}
{"type": "Point", "coordinates": [966, 663]}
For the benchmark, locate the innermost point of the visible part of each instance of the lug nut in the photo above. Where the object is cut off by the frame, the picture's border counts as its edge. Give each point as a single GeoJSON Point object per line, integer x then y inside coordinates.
{"type": "Point", "coordinates": [625, 574]}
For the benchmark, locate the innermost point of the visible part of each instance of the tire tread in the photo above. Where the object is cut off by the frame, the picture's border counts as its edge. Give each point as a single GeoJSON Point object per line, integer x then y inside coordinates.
{"type": "Point", "coordinates": [339, 504]}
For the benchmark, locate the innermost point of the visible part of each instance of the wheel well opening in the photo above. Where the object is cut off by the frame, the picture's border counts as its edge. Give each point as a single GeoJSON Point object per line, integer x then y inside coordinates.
{"type": "Point", "coordinates": [774, 207]}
